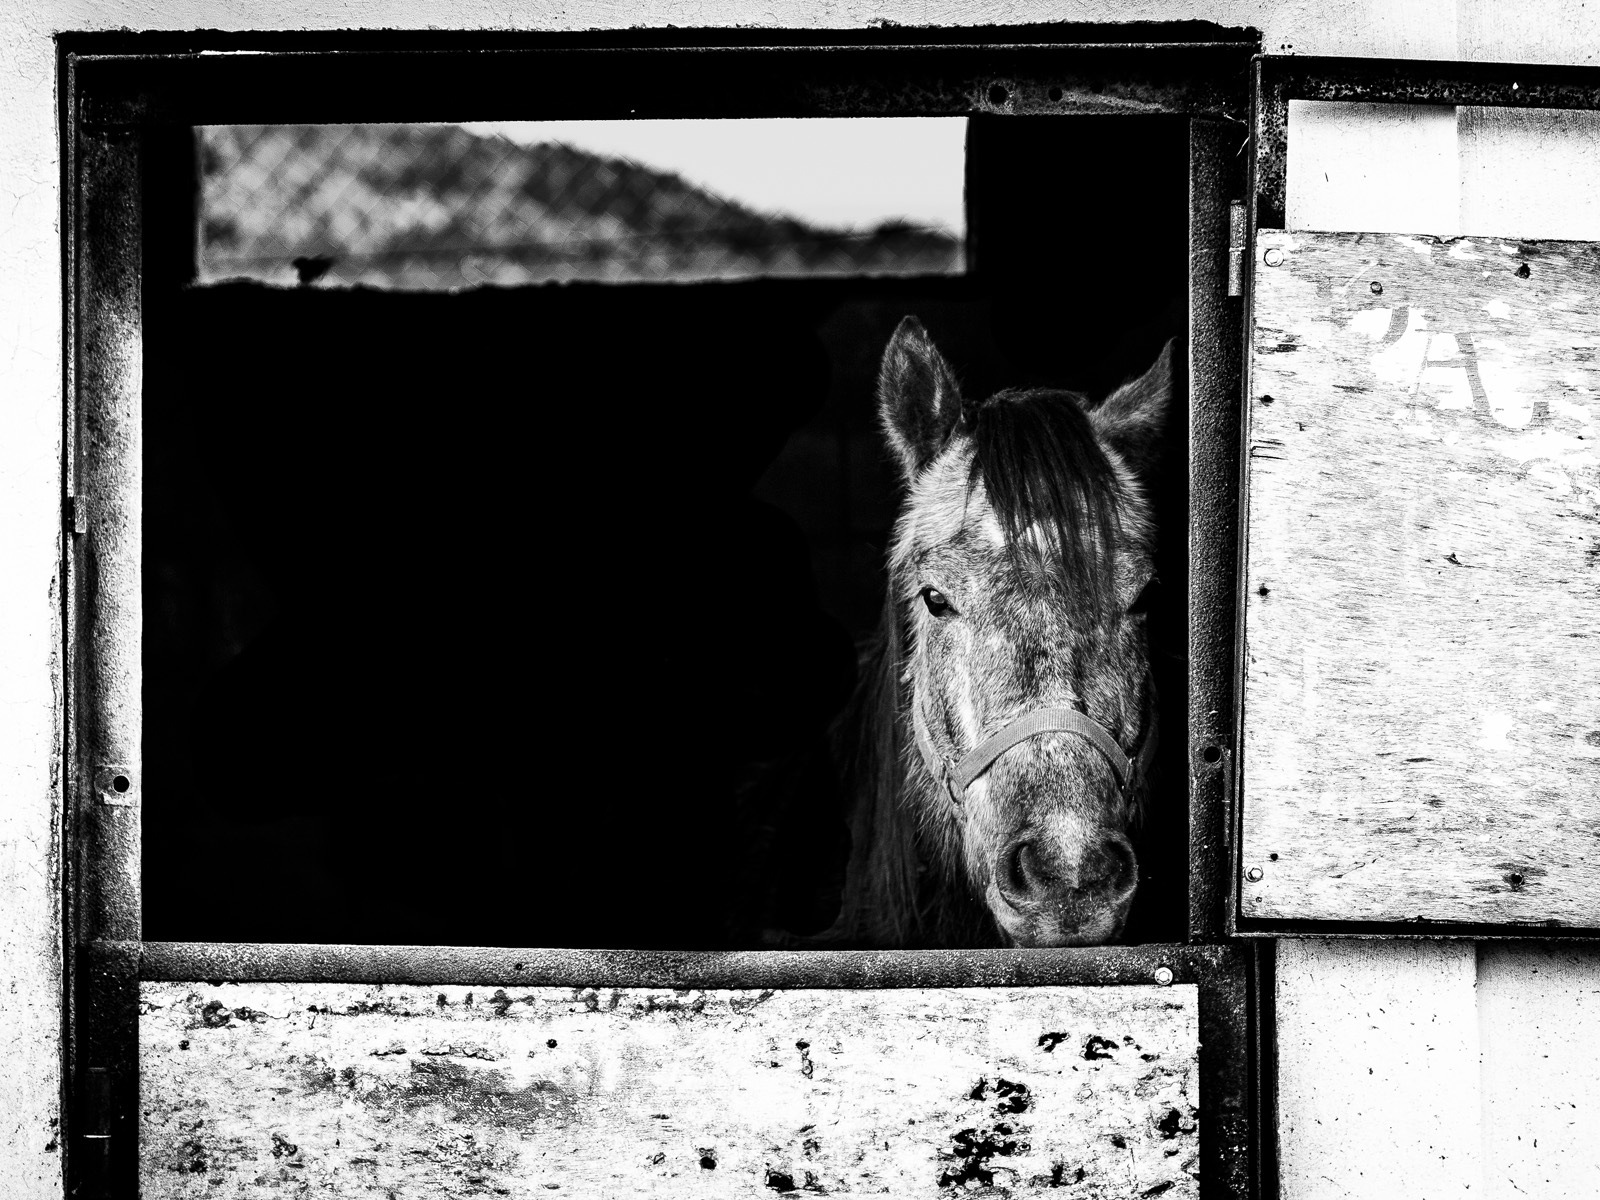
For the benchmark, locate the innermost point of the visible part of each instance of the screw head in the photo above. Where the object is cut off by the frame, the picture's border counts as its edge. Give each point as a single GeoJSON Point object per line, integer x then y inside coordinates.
{"type": "Point", "coordinates": [1376, 288]}
{"type": "Point", "coordinates": [1164, 975]}
{"type": "Point", "coordinates": [1253, 874]}
{"type": "Point", "coordinates": [1273, 257]}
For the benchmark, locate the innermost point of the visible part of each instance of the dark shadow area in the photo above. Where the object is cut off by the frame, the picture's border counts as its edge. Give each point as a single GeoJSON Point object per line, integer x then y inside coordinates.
{"type": "Point", "coordinates": [518, 617]}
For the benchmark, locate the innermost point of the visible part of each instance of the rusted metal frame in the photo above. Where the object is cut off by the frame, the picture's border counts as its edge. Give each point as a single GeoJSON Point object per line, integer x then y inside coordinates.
{"type": "Point", "coordinates": [1280, 79]}
{"type": "Point", "coordinates": [71, 936]}
{"type": "Point", "coordinates": [1264, 1067]}
{"type": "Point", "coordinates": [111, 957]}
{"type": "Point", "coordinates": [1421, 927]}
{"type": "Point", "coordinates": [103, 626]}
{"type": "Point", "coordinates": [1189, 33]}
{"type": "Point", "coordinates": [1215, 338]}
{"type": "Point", "coordinates": [746, 81]}
{"type": "Point", "coordinates": [1208, 334]}
{"type": "Point", "coordinates": [1096, 966]}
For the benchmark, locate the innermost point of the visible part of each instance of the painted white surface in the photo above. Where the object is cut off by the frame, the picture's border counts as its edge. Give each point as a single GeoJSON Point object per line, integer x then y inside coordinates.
{"type": "Point", "coordinates": [1539, 1033]}
{"type": "Point", "coordinates": [30, 356]}
{"type": "Point", "coordinates": [1371, 167]}
{"type": "Point", "coordinates": [1377, 1070]}
{"type": "Point", "coordinates": [1483, 172]}
{"type": "Point", "coordinates": [1434, 1069]}
{"type": "Point", "coordinates": [1532, 173]}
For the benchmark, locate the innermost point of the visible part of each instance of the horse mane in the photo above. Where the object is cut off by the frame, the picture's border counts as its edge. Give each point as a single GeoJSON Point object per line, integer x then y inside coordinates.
{"type": "Point", "coordinates": [1058, 498]}
{"type": "Point", "coordinates": [878, 903]}
{"type": "Point", "coordinates": [1054, 491]}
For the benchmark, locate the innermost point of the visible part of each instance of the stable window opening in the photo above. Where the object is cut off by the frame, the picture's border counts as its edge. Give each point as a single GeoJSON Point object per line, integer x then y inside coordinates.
{"type": "Point", "coordinates": [530, 610]}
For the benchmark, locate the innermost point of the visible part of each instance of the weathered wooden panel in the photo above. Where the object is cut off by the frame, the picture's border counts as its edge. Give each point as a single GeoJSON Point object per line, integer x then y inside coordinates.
{"type": "Point", "coordinates": [325, 1089]}
{"type": "Point", "coordinates": [1422, 623]}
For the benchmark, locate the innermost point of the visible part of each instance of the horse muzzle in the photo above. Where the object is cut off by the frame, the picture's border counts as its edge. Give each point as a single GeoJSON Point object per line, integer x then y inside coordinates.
{"type": "Point", "coordinates": [1044, 894]}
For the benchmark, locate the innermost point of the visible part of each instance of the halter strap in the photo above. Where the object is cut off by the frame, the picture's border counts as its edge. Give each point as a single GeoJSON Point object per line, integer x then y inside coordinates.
{"type": "Point", "coordinates": [958, 776]}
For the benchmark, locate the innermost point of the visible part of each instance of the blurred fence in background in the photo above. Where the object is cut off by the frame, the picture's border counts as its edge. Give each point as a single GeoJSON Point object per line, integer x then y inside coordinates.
{"type": "Point", "coordinates": [436, 207]}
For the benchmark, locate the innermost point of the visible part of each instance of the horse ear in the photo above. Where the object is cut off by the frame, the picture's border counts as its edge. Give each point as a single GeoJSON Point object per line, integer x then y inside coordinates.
{"type": "Point", "coordinates": [1133, 419]}
{"type": "Point", "coordinates": [918, 400]}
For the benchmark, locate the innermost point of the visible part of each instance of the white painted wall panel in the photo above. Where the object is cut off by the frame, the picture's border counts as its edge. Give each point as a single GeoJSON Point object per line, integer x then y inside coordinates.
{"type": "Point", "coordinates": [1369, 167]}
{"type": "Point", "coordinates": [1539, 1029]}
{"type": "Point", "coordinates": [1377, 1070]}
{"type": "Point", "coordinates": [30, 518]}
{"type": "Point", "coordinates": [1529, 173]}
{"type": "Point", "coordinates": [1434, 169]}
{"type": "Point", "coordinates": [1567, 31]}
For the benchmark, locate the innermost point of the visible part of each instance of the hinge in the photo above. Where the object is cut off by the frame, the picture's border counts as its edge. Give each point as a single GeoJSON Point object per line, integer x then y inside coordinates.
{"type": "Point", "coordinates": [76, 514]}
{"type": "Point", "coordinates": [1236, 247]}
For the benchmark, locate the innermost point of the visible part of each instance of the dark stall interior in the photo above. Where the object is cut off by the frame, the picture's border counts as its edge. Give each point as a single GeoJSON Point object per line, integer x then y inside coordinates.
{"type": "Point", "coordinates": [518, 616]}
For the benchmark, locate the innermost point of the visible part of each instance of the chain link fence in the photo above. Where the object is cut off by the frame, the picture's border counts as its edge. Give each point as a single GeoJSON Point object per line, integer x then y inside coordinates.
{"type": "Point", "coordinates": [436, 207]}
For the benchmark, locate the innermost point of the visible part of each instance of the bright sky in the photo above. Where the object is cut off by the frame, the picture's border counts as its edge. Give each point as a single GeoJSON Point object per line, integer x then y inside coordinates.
{"type": "Point", "coordinates": [833, 171]}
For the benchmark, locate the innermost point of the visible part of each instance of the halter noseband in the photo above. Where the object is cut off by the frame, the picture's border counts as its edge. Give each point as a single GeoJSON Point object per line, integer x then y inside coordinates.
{"type": "Point", "coordinates": [957, 776]}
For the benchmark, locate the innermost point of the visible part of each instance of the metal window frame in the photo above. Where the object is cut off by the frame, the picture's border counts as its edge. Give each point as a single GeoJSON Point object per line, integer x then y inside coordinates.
{"type": "Point", "coordinates": [1275, 81]}
{"type": "Point", "coordinates": [117, 88]}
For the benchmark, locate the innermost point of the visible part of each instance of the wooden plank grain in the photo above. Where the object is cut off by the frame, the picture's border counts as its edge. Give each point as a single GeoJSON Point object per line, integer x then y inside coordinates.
{"type": "Point", "coordinates": [1422, 601]}
{"type": "Point", "coordinates": [330, 1089]}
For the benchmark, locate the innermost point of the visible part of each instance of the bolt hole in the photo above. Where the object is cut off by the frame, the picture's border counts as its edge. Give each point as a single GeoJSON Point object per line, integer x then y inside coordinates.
{"type": "Point", "coordinates": [1272, 857]}
{"type": "Point", "coordinates": [120, 784]}
{"type": "Point", "coordinates": [1212, 754]}
{"type": "Point", "coordinates": [998, 94]}
{"type": "Point", "coordinates": [1056, 93]}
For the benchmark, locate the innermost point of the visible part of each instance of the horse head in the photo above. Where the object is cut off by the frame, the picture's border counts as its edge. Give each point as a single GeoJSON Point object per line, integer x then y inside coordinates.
{"type": "Point", "coordinates": [1019, 558]}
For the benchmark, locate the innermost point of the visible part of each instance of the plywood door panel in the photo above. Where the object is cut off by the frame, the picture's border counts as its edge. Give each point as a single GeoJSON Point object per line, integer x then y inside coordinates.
{"type": "Point", "coordinates": [326, 1089]}
{"type": "Point", "coordinates": [1422, 597]}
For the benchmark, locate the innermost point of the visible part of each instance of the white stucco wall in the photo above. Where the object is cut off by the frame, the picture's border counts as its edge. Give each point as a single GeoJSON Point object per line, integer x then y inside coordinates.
{"type": "Point", "coordinates": [31, 402]}
{"type": "Point", "coordinates": [1435, 1070]}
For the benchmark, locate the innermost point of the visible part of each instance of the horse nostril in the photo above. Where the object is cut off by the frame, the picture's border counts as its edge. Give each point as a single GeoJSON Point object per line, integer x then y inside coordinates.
{"type": "Point", "coordinates": [1118, 869]}
{"type": "Point", "coordinates": [1030, 872]}
{"type": "Point", "coordinates": [1027, 873]}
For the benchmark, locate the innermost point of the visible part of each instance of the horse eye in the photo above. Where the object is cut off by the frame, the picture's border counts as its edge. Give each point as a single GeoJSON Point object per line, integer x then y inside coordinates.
{"type": "Point", "coordinates": [935, 600]}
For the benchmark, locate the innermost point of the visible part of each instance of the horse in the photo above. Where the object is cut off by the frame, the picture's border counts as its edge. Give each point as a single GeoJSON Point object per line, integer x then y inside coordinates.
{"type": "Point", "coordinates": [996, 755]}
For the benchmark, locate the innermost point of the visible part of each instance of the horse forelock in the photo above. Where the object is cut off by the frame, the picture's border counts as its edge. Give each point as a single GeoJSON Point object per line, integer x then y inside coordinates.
{"type": "Point", "coordinates": [1061, 498]}
{"type": "Point", "coordinates": [1024, 472]}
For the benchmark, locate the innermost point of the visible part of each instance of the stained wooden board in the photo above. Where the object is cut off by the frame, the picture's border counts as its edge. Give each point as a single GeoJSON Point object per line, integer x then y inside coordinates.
{"type": "Point", "coordinates": [1422, 597]}
{"type": "Point", "coordinates": [325, 1089]}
